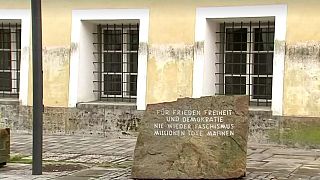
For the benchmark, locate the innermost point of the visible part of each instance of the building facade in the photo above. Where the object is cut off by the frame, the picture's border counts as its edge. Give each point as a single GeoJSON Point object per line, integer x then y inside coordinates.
{"type": "Point", "coordinates": [105, 60]}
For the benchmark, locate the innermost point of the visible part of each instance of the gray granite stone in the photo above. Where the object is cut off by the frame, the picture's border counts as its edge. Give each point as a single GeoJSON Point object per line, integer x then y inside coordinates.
{"type": "Point", "coordinates": [187, 139]}
{"type": "Point", "coordinates": [4, 146]}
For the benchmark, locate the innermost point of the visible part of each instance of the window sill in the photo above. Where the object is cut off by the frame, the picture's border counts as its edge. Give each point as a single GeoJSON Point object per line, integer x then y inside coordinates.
{"type": "Point", "coordinates": [9, 101]}
{"type": "Point", "coordinates": [259, 108]}
{"type": "Point", "coordinates": [103, 104]}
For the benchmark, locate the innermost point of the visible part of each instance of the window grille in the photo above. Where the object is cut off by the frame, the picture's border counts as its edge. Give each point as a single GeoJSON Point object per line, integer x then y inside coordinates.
{"type": "Point", "coordinates": [10, 53]}
{"type": "Point", "coordinates": [245, 62]}
{"type": "Point", "coordinates": [117, 62]}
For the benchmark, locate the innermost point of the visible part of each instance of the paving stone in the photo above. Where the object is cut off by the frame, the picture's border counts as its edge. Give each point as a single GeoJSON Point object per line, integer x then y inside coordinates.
{"type": "Point", "coordinates": [255, 150]}
{"type": "Point", "coordinates": [251, 175]}
{"type": "Point", "coordinates": [282, 178]}
{"type": "Point", "coordinates": [281, 165]}
{"type": "Point", "coordinates": [295, 152]}
{"type": "Point", "coordinates": [73, 178]}
{"type": "Point", "coordinates": [258, 175]}
{"type": "Point", "coordinates": [299, 177]}
{"type": "Point", "coordinates": [299, 163]}
{"type": "Point", "coordinates": [90, 173]}
{"type": "Point", "coordinates": [315, 162]}
{"type": "Point", "coordinates": [308, 170]}
{"type": "Point", "coordinates": [251, 163]}
{"type": "Point", "coordinates": [117, 173]}
{"type": "Point", "coordinates": [74, 144]}
{"type": "Point", "coordinates": [58, 156]}
{"type": "Point", "coordinates": [275, 167]}
{"type": "Point", "coordinates": [97, 159]}
{"type": "Point", "coordinates": [259, 156]}
{"type": "Point", "coordinates": [290, 158]}
{"type": "Point", "coordinates": [280, 175]}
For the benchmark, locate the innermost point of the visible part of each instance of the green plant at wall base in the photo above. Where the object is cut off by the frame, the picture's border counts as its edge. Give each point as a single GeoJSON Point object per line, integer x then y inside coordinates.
{"type": "Point", "coordinates": [274, 135]}
{"type": "Point", "coordinates": [125, 164]}
{"type": "Point", "coordinates": [19, 158]}
{"type": "Point", "coordinates": [303, 136]}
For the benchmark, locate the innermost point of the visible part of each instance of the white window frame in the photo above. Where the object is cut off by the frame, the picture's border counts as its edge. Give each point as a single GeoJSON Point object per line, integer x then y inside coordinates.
{"type": "Point", "coordinates": [249, 60]}
{"type": "Point", "coordinates": [12, 49]}
{"type": "Point", "coordinates": [203, 73]}
{"type": "Point", "coordinates": [79, 84]}
{"type": "Point", "coordinates": [124, 67]}
{"type": "Point", "coordinates": [24, 15]}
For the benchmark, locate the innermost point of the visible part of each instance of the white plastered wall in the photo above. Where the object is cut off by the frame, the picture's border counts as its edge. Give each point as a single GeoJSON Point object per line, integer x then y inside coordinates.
{"type": "Point", "coordinates": [203, 81]}
{"type": "Point", "coordinates": [81, 66]}
{"type": "Point", "coordinates": [24, 15]}
{"type": "Point", "coordinates": [210, 49]}
{"type": "Point", "coordinates": [86, 65]}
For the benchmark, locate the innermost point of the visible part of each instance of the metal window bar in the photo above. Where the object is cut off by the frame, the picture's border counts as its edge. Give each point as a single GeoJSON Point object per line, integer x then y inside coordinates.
{"type": "Point", "coordinates": [245, 60]}
{"type": "Point", "coordinates": [116, 61]}
{"type": "Point", "coordinates": [10, 54]}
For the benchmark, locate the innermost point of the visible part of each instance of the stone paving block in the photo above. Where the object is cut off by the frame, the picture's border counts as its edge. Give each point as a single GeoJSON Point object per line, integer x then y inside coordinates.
{"type": "Point", "coordinates": [73, 178]}
{"type": "Point", "coordinates": [295, 152]}
{"type": "Point", "coordinates": [279, 166]}
{"type": "Point", "coordinates": [255, 150]}
{"type": "Point", "coordinates": [58, 156]}
{"type": "Point", "coordinates": [97, 159]}
{"type": "Point", "coordinates": [315, 162]}
{"type": "Point", "coordinates": [122, 160]}
{"type": "Point", "coordinates": [308, 170]}
{"type": "Point", "coordinates": [267, 146]}
{"type": "Point", "coordinates": [280, 175]}
{"type": "Point", "coordinates": [253, 164]}
{"type": "Point", "coordinates": [251, 176]}
{"type": "Point", "coordinates": [255, 176]}
{"type": "Point", "coordinates": [93, 172]}
{"type": "Point", "coordinates": [259, 156]}
{"type": "Point", "coordinates": [299, 177]}
{"type": "Point", "coordinates": [275, 167]}
{"type": "Point", "coordinates": [290, 158]}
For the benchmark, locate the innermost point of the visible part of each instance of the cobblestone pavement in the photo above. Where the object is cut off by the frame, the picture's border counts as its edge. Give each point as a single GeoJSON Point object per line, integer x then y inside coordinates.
{"type": "Point", "coordinates": [102, 158]}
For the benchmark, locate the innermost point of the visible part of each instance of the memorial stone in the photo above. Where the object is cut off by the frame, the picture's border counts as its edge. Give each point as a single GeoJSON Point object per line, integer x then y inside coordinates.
{"type": "Point", "coordinates": [4, 146]}
{"type": "Point", "coordinates": [193, 138]}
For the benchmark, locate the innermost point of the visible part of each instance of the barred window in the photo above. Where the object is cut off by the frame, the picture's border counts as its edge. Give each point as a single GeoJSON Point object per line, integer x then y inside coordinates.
{"type": "Point", "coordinates": [117, 55]}
{"type": "Point", "coordinates": [10, 50]}
{"type": "Point", "coordinates": [246, 60]}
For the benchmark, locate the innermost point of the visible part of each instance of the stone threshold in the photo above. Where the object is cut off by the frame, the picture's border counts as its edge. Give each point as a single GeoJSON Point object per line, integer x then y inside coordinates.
{"type": "Point", "coordinates": [103, 104]}
{"type": "Point", "coordinates": [9, 101]}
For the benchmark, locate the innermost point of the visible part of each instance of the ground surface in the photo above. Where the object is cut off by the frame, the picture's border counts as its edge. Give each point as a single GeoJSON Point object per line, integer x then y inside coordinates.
{"type": "Point", "coordinates": [83, 158]}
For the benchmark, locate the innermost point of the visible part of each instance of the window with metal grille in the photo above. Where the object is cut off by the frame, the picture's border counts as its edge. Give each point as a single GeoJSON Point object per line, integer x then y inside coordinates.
{"type": "Point", "coordinates": [117, 59]}
{"type": "Point", "coordinates": [245, 62]}
{"type": "Point", "coordinates": [10, 50]}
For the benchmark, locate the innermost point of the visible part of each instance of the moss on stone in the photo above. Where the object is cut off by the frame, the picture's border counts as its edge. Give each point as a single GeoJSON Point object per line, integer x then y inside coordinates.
{"type": "Point", "coordinates": [297, 136]}
{"type": "Point", "coordinates": [20, 158]}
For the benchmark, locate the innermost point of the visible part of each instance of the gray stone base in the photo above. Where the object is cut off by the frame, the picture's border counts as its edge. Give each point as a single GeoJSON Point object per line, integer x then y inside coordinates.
{"type": "Point", "coordinates": [122, 121]}
{"type": "Point", "coordinates": [86, 119]}
{"type": "Point", "coordinates": [260, 123]}
{"type": "Point", "coordinates": [302, 132]}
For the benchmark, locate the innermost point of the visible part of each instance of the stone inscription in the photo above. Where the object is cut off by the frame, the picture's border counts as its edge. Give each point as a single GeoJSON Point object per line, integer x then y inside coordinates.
{"type": "Point", "coordinates": [193, 122]}
{"type": "Point", "coordinates": [193, 138]}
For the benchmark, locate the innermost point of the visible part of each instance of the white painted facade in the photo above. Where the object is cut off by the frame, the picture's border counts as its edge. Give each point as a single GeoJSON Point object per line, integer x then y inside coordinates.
{"type": "Point", "coordinates": [204, 59]}
{"type": "Point", "coordinates": [81, 61]}
{"type": "Point", "coordinates": [24, 16]}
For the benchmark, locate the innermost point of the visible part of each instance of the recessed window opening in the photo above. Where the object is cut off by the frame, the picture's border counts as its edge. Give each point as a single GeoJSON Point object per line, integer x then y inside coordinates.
{"type": "Point", "coordinates": [116, 59]}
{"type": "Point", "coordinates": [245, 60]}
{"type": "Point", "coordinates": [10, 54]}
